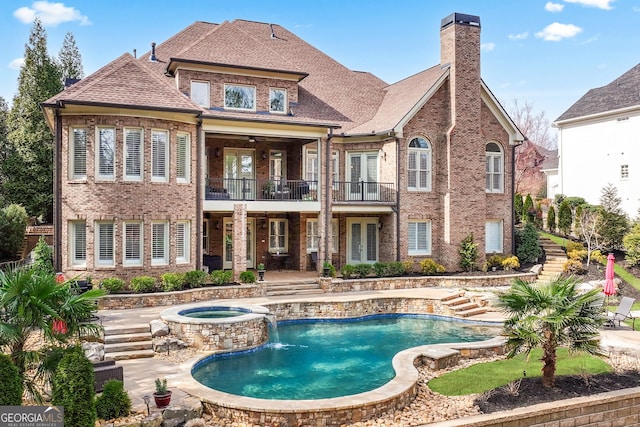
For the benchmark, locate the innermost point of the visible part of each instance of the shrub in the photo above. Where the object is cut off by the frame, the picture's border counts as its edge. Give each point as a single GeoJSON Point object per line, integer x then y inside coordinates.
{"type": "Point", "coordinates": [527, 246]}
{"type": "Point", "coordinates": [221, 277]}
{"type": "Point", "coordinates": [468, 253]}
{"type": "Point", "coordinates": [141, 284]}
{"type": "Point", "coordinates": [347, 271]}
{"type": "Point", "coordinates": [551, 219]}
{"type": "Point", "coordinates": [573, 266]}
{"type": "Point", "coordinates": [631, 242]}
{"type": "Point", "coordinates": [172, 281]}
{"type": "Point", "coordinates": [362, 270]}
{"type": "Point", "coordinates": [113, 285]}
{"type": "Point", "coordinates": [11, 382]}
{"type": "Point", "coordinates": [195, 278]}
{"type": "Point", "coordinates": [430, 267]}
{"type": "Point", "coordinates": [409, 266]}
{"type": "Point", "coordinates": [73, 388]}
{"type": "Point", "coordinates": [578, 255]}
{"type": "Point", "coordinates": [331, 267]}
{"type": "Point", "coordinates": [518, 205]}
{"type": "Point", "coordinates": [381, 269]}
{"type": "Point", "coordinates": [247, 277]}
{"type": "Point", "coordinates": [574, 246]}
{"type": "Point", "coordinates": [598, 257]}
{"type": "Point", "coordinates": [565, 218]}
{"type": "Point", "coordinates": [43, 257]}
{"type": "Point", "coordinates": [13, 222]}
{"type": "Point", "coordinates": [494, 261]}
{"type": "Point", "coordinates": [395, 269]}
{"type": "Point", "coordinates": [511, 263]}
{"type": "Point", "coordinates": [528, 211]}
{"type": "Point", "coordinates": [114, 401]}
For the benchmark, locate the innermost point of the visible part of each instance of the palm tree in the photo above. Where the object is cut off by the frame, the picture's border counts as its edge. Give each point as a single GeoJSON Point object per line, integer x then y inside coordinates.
{"type": "Point", "coordinates": [550, 316]}
{"type": "Point", "coordinates": [31, 301]}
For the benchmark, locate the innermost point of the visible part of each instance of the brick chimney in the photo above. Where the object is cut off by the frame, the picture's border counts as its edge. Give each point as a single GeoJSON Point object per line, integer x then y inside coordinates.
{"type": "Point", "coordinates": [465, 201]}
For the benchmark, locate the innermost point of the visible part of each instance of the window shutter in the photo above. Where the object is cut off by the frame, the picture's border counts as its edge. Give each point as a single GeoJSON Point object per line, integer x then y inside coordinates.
{"type": "Point", "coordinates": [79, 153]}
{"type": "Point", "coordinates": [158, 243]}
{"type": "Point", "coordinates": [133, 240]}
{"type": "Point", "coordinates": [133, 153]}
{"type": "Point", "coordinates": [182, 169]}
{"type": "Point", "coordinates": [80, 244]}
{"type": "Point", "coordinates": [105, 243]}
{"type": "Point", "coordinates": [106, 152]}
{"type": "Point", "coordinates": [182, 241]}
{"type": "Point", "coordinates": [159, 155]}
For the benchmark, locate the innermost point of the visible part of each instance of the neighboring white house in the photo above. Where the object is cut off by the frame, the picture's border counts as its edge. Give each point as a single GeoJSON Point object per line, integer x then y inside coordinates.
{"type": "Point", "coordinates": [550, 169]}
{"type": "Point", "coordinates": [599, 143]}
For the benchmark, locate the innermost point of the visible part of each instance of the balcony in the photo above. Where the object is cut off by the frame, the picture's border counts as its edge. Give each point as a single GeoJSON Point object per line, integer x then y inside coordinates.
{"type": "Point", "coordinates": [364, 191]}
{"type": "Point", "coordinates": [260, 189]}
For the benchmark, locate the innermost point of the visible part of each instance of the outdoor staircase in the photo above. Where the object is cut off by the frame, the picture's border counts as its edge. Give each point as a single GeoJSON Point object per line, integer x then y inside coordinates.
{"type": "Point", "coordinates": [462, 306]}
{"type": "Point", "coordinates": [554, 263]}
{"type": "Point", "coordinates": [303, 287]}
{"type": "Point", "coordinates": [127, 342]}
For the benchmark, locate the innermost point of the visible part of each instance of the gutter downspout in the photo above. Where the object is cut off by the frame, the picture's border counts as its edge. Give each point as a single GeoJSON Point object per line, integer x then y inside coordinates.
{"type": "Point", "coordinates": [327, 197]}
{"type": "Point", "coordinates": [57, 186]}
{"type": "Point", "coordinates": [397, 198]}
{"type": "Point", "coordinates": [199, 203]}
{"type": "Point", "coordinates": [513, 206]}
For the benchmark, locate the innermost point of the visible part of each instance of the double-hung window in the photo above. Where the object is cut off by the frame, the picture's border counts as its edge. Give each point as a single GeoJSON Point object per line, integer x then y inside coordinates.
{"type": "Point", "coordinates": [494, 168]}
{"type": "Point", "coordinates": [419, 165]}
{"type": "Point", "coordinates": [493, 236]}
{"type": "Point", "coordinates": [106, 154]}
{"type": "Point", "coordinates": [182, 242]}
{"type": "Point", "coordinates": [159, 156]}
{"type": "Point", "coordinates": [78, 243]}
{"type": "Point", "coordinates": [104, 245]}
{"type": "Point", "coordinates": [183, 157]}
{"type": "Point", "coordinates": [133, 155]}
{"type": "Point", "coordinates": [278, 235]}
{"type": "Point", "coordinates": [419, 237]}
{"type": "Point", "coordinates": [159, 243]}
{"type": "Point", "coordinates": [133, 243]}
{"type": "Point", "coordinates": [78, 155]}
{"type": "Point", "coordinates": [313, 236]}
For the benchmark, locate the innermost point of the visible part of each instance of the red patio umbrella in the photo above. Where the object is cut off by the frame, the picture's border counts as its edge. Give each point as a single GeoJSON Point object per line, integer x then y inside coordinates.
{"type": "Point", "coordinates": [609, 286]}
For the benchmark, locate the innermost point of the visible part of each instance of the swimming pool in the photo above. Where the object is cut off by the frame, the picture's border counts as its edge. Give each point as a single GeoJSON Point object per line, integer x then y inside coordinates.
{"type": "Point", "coordinates": [322, 358]}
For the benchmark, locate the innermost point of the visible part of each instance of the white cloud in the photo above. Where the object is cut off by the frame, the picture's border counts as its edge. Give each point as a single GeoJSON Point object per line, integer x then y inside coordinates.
{"type": "Point", "coordinates": [50, 14]}
{"type": "Point", "coordinates": [556, 32]}
{"type": "Point", "coordinates": [636, 8]}
{"type": "Point", "coordinates": [487, 47]}
{"type": "Point", "coordinates": [600, 4]}
{"type": "Point", "coordinates": [520, 36]}
{"type": "Point", "coordinates": [553, 7]}
{"type": "Point", "coordinates": [16, 64]}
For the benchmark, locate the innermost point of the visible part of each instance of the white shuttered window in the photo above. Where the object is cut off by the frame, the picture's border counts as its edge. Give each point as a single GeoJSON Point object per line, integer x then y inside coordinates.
{"type": "Point", "coordinates": [419, 237]}
{"type": "Point", "coordinates": [104, 243]}
{"type": "Point", "coordinates": [106, 153]}
{"type": "Point", "coordinates": [133, 154]}
{"type": "Point", "coordinates": [133, 243]}
{"type": "Point", "coordinates": [159, 243]}
{"type": "Point", "coordinates": [78, 243]}
{"type": "Point", "coordinates": [182, 242]}
{"type": "Point", "coordinates": [79, 154]}
{"type": "Point", "coordinates": [159, 156]}
{"type": "Point", "coordinates": [493, 237]}
{"type": "Point", "coordinates": [183, 157]}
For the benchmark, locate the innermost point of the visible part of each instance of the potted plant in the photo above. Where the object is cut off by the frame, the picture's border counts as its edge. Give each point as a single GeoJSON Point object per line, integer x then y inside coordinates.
{"type": "Point", "coordinates": [162, 396]}
{"type": "Point", "coordinates": [261, 271]}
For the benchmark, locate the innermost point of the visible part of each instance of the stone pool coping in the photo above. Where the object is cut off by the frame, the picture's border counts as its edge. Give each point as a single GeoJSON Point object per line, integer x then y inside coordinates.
{"type": "Point", "coordinates": [173, 314]}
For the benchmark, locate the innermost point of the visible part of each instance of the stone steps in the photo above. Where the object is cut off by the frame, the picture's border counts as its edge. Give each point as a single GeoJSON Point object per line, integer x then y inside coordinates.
{"type": "Point", "coordinates": [128, 342]}
{"type": "Point", "coordinates": [456, 301]}
{"type": "Point", "coordinates": [472, 312]}
{"type": "Point", "coordinates": [301, 288]}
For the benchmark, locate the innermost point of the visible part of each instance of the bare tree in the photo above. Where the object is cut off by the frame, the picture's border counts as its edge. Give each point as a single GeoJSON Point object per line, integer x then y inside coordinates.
{"type": "Point", "coordinates": [590, 229]}
{"type": "Point", "coordinates": [534, 125]}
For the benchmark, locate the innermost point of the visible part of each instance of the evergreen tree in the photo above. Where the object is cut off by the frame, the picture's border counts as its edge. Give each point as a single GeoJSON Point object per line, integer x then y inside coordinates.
{"type": "Point", "coordinates": [528, 211]}
{"type": "Point", "coordinates": [614, 223]}
{"type": "Point", "coordinates": [518, 204]}
{"type": "Point", "coordinates": [70, 60]}
{"type": "Point", "coordinates": [564, 218]}
{"type": "Point", "coordinates": [4, 130]}
{"type": "Point", "coordinates": [28, 167]}
{"type": "Point", "coordinates": [551, 219]}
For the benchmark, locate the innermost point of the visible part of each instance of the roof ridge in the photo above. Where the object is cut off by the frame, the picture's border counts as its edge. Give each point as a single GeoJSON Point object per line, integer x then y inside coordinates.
{"type": "Point", "coordinates": [205, 34]}
{"type": "Point", "coordinates": [87, 83]}
{"type": "Point", "coordinates": [259, 41]}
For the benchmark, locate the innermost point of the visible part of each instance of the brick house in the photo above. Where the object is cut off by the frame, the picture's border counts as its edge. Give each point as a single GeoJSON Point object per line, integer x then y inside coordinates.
{"type": "Point", "coordinates": [238, 143]}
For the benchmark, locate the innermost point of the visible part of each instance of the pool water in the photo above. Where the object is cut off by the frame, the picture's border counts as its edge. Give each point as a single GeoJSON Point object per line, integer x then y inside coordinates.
{"type": "Point", "coordinates": [213, 312]}
{"type": "Point", "coordinates": [325, 359]}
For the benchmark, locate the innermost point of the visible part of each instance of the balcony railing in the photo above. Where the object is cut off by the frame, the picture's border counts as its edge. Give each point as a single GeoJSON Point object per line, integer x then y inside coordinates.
{"type": "Point", "coordinates": [257, 189]}
{"type": "Point", "coordinates": [364, 191]}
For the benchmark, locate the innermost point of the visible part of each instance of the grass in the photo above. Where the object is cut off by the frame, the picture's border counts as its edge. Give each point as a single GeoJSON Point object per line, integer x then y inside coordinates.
{"type": "Point", "coordinates": [487, 376]}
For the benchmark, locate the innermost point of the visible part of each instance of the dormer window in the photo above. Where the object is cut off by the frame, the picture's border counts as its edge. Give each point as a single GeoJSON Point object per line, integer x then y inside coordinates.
{"type": "Point", "coordinates": [200, 93]}
{"type": "Point", "coordinates": [238, 97]}
{"type": "Point", "coordinates": [277, 100]}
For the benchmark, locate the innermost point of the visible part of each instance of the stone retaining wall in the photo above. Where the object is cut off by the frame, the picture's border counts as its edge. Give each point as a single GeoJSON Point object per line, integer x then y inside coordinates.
{"type": "Point", "coordinates": [222, 336]}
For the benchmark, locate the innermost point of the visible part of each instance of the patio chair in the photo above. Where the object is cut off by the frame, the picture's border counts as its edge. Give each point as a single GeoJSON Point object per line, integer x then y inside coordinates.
{"type": "Point", "coordinates": [623, 312]}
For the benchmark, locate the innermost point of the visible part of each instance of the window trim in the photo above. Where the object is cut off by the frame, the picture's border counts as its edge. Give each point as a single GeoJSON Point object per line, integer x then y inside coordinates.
{"type": "Point", "coordinates": [187, 157]}
{"type": "Point", "coordinates": [429, 239]}
{"type": "Point", "coordinates": [284, 249]}
{"type": "Point", "coordinates": [429, 170]}
{"type": "Point", "coordinates": [310, 249]}
{"type": "Point", "coordinates": [286, 100]}
{"type": "Point", "coordinates": [489, 167]}
{"type": "Point", "coordinates": [72, 154]}
{"type": "Point", "coordinates": [488, 250]}
{"type": "Point", "coordinates": [208, 92]}
{"type": "Point", "coordinates": [165, 177]}
{"type": "Point", "coordinates": [112, 175]}
{"type": "Point", "coordinates": [335, 241]}
{"type": "Point", "coordinates": [164, 260]}
{"type": "Point", "coordinates": [252, 109]}
{"type": "Point", "coordinates": [205, 236]}
{"type": "Point", "coordinates": [186, 242]}
{"type": "Point", "coordinates": [140, 260]}
{"type": "Point", "coordinates": [125, 152]}
{"type": "Point", "coordinates": [73, 244]}
{"type": "Point", "coordinates": [98, 241]}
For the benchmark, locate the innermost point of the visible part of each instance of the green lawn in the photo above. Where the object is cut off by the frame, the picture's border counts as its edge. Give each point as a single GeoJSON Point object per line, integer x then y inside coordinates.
{"type": "Point", "coordinates": [487, 376]}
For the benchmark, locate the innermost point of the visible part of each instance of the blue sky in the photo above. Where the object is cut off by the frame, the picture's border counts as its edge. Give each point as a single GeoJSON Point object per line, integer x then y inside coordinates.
{"type": "Point", "coordinates": [547, 53]}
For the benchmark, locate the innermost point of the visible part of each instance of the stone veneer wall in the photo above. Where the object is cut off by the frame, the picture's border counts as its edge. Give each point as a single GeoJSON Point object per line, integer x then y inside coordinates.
{"type": "Point", "coordinates": [222, 336]}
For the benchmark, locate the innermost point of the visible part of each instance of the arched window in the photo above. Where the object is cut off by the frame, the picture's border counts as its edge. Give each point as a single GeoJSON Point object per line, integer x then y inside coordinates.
{"type": "Point", "coordinates": [419, 165]}
{"type": "Point", "coordinates": [495, 168]}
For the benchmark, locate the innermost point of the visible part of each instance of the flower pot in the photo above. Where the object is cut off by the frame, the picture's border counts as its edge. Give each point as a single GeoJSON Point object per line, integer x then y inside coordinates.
{"type": "Point", "coordinates": [261, 275]}
{"type": "Point", "coordinates": [162, 400]}
{"type": "Point", "coordinates": [325, 271]}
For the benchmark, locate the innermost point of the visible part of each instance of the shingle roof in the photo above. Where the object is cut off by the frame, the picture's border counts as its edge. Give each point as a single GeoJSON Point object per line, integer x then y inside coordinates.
{"type": "Point", "coordinates": [623, 92]}
{"type": "Point", "coordinates": [125, 82]}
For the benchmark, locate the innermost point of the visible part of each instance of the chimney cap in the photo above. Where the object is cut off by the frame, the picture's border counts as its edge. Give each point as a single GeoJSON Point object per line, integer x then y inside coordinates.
{"type": "Point", "coordinates": [461, 19]}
